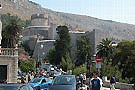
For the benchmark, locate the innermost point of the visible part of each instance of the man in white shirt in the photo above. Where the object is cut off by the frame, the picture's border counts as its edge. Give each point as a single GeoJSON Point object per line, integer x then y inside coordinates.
{"type": "Point", "coordinates": [96, 83]}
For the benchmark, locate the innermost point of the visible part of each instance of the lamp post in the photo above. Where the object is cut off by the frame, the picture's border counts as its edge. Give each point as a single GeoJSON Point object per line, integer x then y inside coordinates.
{"type": "Point", "coordinates": [41, 47]}
{"type": "Point", "coordinates": [0, 28]}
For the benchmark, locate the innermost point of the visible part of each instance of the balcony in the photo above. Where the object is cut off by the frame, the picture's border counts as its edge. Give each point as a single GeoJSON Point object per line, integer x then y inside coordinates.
{"type": "Point", "coordinates": [10, 52]}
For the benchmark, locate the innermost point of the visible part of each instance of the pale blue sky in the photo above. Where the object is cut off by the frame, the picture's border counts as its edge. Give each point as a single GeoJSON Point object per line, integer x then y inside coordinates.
{"type": "Point", "coordinates": [116, 10]}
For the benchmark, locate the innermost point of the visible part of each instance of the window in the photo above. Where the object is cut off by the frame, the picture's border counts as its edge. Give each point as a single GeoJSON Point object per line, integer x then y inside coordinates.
{"type": "Point", "coordinates": [43, 81]}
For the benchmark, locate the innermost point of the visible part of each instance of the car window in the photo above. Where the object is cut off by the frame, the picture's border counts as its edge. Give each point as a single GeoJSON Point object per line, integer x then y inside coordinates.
{"type": "Point", "coordinates": [43, 81]}
{"type": "Point", "coordinates": [35, 80]}
{"type": "Point", "coordinates": [64, 80]}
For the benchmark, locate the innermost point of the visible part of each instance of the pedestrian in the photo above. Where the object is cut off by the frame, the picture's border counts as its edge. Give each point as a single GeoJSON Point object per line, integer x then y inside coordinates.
{"type": "Point", "coordinates": [112, 83]}
{"type": "Point", "coordinates": [95, 82]}
{"type": "Point", "coordinates": [81, 79]}
{"type": "Point", "coordinates": [84, 77]}
{"type": "Point", "coordinates": [29, 76]}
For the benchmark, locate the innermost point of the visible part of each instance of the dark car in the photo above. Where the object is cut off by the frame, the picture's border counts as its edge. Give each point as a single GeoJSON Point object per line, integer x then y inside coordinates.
{"type": "Point", "coordinates": [15, 87]}
{"type": "Point", "coordinates": [64, 82]}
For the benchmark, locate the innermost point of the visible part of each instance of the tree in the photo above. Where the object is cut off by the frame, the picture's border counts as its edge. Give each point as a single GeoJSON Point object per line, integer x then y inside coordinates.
{"type": "Point", "coordinates": [79, 69]}
{"type": "Point", "coordinates": [83, 50]}
{"type": "Point", "coordinates": [105, 49]}
{"type": "Point", "coordinates": [51, 56]}
{"type": "Point", "coordinates": [27, 49]}
{"type": "Point", "coordinates": [62, 44]}
{"type": "Point", "coordinates": [124, 58]}
{"type": "Point", "coordinates": [10, 31]}
{"type": "Point", "coordinates": [27, 65]}
{"type": "Point", "coordinates": [66, 63]}
{"type": "Point", "coordinates": [111, 71]}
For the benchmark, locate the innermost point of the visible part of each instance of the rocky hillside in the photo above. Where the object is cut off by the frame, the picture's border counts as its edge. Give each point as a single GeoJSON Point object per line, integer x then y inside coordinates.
{"type": "Point", "coordinates": [25, 8]}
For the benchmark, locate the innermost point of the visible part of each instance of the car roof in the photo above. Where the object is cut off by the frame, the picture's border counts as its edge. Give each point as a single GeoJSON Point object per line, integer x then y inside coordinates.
{"type": "Point", "coordinates": [68, 75]}
{"type": "Point", "coordinates": [12, 84]}
{"type": "Point", "coordinates": [41, 78]}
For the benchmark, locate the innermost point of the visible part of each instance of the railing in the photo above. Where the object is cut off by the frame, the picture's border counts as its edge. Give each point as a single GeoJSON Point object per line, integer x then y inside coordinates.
{"type": "Point", "coordinates": [8, 52]}
{"type": "Point", "coordinates": [121, 86]}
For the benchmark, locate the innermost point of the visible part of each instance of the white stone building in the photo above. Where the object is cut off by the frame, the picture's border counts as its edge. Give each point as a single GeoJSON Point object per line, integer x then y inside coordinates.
{"type": "Point", "coordinates": [8, 62]}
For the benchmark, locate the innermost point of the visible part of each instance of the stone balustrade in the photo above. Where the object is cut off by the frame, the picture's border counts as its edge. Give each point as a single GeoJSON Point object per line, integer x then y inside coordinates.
{"type": "Point", "coordinates": [8, 52]}
{"type": "Point", "coordinates": [121, 86]}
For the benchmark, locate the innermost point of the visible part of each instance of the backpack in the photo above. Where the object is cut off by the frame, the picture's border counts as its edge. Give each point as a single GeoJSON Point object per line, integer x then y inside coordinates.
{"type": "Point", "coordinates": [112, 80]}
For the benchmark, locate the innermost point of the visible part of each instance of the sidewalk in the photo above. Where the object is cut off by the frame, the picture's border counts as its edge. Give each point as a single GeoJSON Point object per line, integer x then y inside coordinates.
{"type": "Point", "coordinates": [104, 88]}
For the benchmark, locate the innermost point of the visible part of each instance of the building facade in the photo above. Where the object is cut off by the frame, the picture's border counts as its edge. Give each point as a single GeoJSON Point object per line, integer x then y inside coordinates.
{"type": "Point", "coordinates": [8, 62]}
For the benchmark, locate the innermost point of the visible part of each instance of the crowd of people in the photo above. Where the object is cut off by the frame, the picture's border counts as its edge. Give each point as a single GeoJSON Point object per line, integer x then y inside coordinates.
{"type": "Point", "coordinates": [95, 83]}
{"type": "Point", "coordinates": [37, 74]}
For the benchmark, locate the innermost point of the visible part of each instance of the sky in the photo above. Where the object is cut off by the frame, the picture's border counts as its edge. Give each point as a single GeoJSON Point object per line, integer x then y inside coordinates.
{"type": "Point", "coordinates": [116, 10]}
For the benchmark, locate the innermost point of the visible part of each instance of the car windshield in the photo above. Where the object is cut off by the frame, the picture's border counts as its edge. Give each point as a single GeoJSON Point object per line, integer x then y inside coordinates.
{"type": "Point", "coordinates": [35, 80]}
{"type": "Point", "coordinates": [64, 80]}
{"type": "Point", "coordinates": [55, 72]}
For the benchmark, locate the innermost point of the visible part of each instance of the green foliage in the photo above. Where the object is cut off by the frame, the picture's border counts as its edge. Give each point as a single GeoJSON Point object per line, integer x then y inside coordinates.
{"type": "Point", "coordinates": [11, 29]}
{"type": "Point", "coordinates": [27, 65]}
{"type": "Point", "coordinates": [51, 56]}
{"type": "Point", "coordinates": [80, 69]}
{"type": "Point", "coordinates": [27, 49]}
{"type": "Point", "coordinates": [62, 45]}
{"type": "Point", "coordinates": [67, 63]}
{"type": "Point", "coordinates": [105, 50]}
{"type": "Point", "coordinates": [124, 58]}
{"type": "Point", "coordinates": [110, 71]}
{"type": "Point", "coordinates": [83, 50]}
{"type": "Point", "coordinates": [6, 19]}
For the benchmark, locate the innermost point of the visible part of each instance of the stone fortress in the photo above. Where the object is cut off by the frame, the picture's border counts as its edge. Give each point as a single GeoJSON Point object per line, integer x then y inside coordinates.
{"type": "Point", "coordinates": [40, 36]}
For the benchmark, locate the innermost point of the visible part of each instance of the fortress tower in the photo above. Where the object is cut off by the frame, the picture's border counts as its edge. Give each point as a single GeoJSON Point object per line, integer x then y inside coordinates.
{"type": "Point", "coordinates": [39, 20]}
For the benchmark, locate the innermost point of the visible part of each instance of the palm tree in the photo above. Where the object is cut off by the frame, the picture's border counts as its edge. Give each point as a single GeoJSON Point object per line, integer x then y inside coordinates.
{"type": "Point", "coordinates": [105, 49]}
{"type": "Point", "coordinates": [11, 32]}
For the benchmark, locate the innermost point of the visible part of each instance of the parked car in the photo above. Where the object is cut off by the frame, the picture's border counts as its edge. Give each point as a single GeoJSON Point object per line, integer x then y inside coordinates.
{"type": "Point", "coordinates": [16, 87]}
{"type": "Point", "coordinates": [40, 83]}
{"type": "Point", "coordinates": [64, 82]}
{"type": "Point", "coordinates": [55, 73]}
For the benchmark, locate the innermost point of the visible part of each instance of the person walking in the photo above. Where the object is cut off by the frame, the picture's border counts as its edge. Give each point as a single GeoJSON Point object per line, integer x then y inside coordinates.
{"type": "Point", "coordinates": [81, 79]}
{"type": "Point", "coordinates": [112, 83]}
{"type": "Point", "coordinates": [95, 82]}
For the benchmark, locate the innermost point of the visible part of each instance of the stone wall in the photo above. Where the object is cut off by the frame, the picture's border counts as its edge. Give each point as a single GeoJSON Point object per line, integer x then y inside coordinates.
{"type": "Point", "coordinates": [9, 57]}
{"type": "Point", "coordinates": [42, 48]}
{"type": "Point", "coordinates": [52, 34]}
{"type": "Point", "coordinates": [96, 37]}
{"type": "Point", "coordinates": [30, 31]}
{"type": "Point", "coordinates": [121, 86]}
{"type": "Point", "coordinates": [74, 36]}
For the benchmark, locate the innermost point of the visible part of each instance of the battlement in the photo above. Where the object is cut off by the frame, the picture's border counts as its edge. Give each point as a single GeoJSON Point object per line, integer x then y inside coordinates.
{"type": "Point", "coordinates": [35, 16]}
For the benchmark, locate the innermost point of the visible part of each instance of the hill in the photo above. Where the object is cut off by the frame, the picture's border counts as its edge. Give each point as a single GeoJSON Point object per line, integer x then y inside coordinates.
{"type": "Point", "coordinates": [25, 8]}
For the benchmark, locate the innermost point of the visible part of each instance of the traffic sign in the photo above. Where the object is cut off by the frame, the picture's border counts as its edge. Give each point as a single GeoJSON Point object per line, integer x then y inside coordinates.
{"type": "Point", "coordinates": [98, 65]}
{"type": "Point", "coordinates": [98, 59]}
